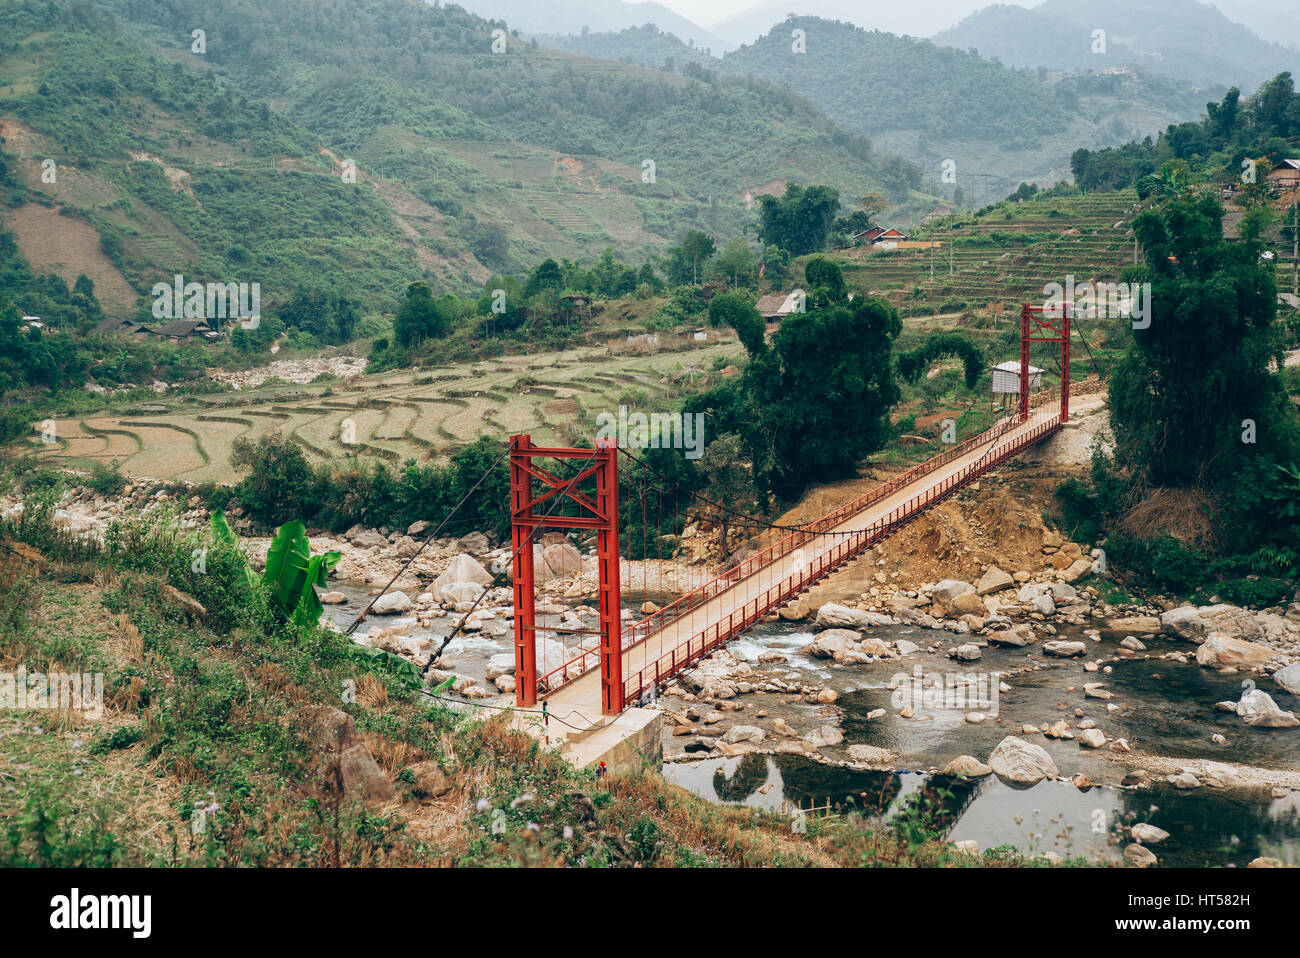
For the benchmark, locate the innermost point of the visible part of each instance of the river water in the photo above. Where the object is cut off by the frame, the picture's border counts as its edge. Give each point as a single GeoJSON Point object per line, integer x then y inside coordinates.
{"type": "Point", "coordinates": [1166, 709]}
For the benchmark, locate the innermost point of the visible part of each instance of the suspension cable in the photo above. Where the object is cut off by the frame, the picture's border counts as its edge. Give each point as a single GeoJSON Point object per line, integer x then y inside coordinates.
{"type": "Point", "coordinates": [433, 535]}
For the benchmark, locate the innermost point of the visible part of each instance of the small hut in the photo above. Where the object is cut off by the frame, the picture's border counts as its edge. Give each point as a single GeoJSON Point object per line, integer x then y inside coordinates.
{"type": "Point", "coordinates": [1006, 379]}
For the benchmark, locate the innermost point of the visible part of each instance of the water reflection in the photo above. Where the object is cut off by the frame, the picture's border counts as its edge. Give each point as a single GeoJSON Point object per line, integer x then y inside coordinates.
{"type": "Point", "coordinates": [1206, 827]}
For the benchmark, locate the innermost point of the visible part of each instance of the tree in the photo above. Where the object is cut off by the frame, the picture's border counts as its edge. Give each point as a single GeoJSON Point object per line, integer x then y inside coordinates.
{"type": "Point", "coordinates": [696, 248]}
{"type": "Point", "coordinates": [545, 275]}
{"type": "Point", "coordinates": [776, 264]}
{"type": "Point", "coordinates": [825, 281]}
{"type": "Point", "coordinates": [938, 345]}
{"type": "Point", "coordinates": [1197, 379]}
{"type": "Point", "coordinates": [611, 278]}
{"type": "Point", "coordinates": [873, 204]}
{"type": "Point", "coordinates": [648, 277]}
{"type": "Point", "coordinates": [728, 485]}
{"type": "Point", "coordinates": [736, 261]}
{"type": "Point", "coordinates": [1174, 179]}
{"type": "Point", "coordinates": [419, 317]}
{"type": "Point", "coordinates": [329, 316]}
{"type": "Point", "coordinates": [801, 220]}
{"type": "Point", "coordinates": [816, 399]}
{"type": "Point", "coordinates": [735, 310]}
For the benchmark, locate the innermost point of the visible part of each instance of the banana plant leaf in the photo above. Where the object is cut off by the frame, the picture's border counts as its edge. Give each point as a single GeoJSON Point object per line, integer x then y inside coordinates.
{"type": "Point", "coordinates": [221, 532]}
{"type": "Point", "coordinates": [309, 608]}
{"type": "Point", "coordinates": [402, 669]}
{"type": "Point", "coordinates": [287, 563]}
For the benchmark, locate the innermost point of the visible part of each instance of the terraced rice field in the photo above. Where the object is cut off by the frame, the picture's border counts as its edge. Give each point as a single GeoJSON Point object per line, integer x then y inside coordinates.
{"type": "Point", "coordinates": [1005, 258]}
{"type": "Point", "coordinates": [421, 415]}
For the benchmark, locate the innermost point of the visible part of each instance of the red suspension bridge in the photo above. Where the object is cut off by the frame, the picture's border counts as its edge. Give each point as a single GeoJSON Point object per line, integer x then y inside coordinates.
{"type": "Point", "coordinates": [616, 665]}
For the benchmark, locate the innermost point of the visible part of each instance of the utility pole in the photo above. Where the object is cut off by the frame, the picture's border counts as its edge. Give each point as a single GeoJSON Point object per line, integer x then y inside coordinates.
{"type": "Point", "coordinates": [972, 189]}
{"type": "Point", "coordinates": [1295, 250]}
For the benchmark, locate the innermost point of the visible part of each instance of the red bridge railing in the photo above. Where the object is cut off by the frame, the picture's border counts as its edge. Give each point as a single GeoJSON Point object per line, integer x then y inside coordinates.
{"type": "Point", "coordinates": [853, 543]}
{"type": "Point", "coordinates": [586, 659]}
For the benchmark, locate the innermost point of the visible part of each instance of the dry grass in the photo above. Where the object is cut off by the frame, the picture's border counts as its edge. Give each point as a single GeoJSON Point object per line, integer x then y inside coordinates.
{"type": "Point", "coordinates": [1186, 514]}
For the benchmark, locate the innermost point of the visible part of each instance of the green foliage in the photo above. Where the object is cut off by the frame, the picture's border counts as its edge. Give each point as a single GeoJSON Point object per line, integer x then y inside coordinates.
{"type": "Point", "coordinates": [326, 314]}
{"type": "Point", "coordinates": [1230, 132]}
{"type": "Point", "coordinates": [1191, 380]}
{"type": "Point", "coordinates": [119, 738]}
{"type": "Point", "coordinates": [800, 221]}
{"type": "Point", "coordinates": [912, 364]}
{"type": "Point", "coordinates": [292, 573]}
{"type": "Point", "coordinates": [1255, 592]}
{"type": "Point", "coordinates": [420, 317]}
{"type": "Point", "coordinates": [687, 260]}
{"type": "Point", "coordinates": [47, 834]}
{"type": "Point", "coordinates": [281, 485]}
{"type": "Point", "coordinates": [816, 400]}
{"type": "Point", "coordinates": [736, 310]}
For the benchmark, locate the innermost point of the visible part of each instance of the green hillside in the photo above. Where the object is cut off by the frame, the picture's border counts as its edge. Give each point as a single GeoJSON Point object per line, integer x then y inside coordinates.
{"type": "Point", "coordinates": [931, 103]}
{"type": "Point", "coordinates": [468, 162]}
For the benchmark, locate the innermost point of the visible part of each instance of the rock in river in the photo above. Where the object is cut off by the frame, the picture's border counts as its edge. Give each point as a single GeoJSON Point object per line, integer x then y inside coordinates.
{"type": "Point", "coordinates": [835, 616]}
{"type": "Point", "coordinates": [824, 737]}
{"type": "Point", "coordinates": [1195, 625]}
{"type": "Point", "coordinates": [1257, 708]}
{"type": "Point", "coordinates": [392, 603]}
{"type": "Point", "coordinates": [1221, 651]}
{"type": "Point", "coordinates": [1148, 834]}
{"type": "Point", "coordinates": [463, 569]}
{"type": "Point", "coordinates": [827, 643]}
{"type": "Point", "coordinates": [1063, 648]}
{"type": "Point", "coordinates": [967, 766]}
{"type": "Point", "coordinates": [1289, 678]}
{"type": "Point", "coordinates": [1018, 761]}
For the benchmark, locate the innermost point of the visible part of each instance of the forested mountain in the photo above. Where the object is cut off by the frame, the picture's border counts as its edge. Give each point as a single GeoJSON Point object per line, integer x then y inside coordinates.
{"type": "Point", "coordinates": [916, 20]}
{"type": "Point", "coordinates": [1183, 39]}
{"type": "Point", "coordinates": [566, 17]}
{"type": "Point", "coordinates": [466, 160]}
{"type": "Point", "coordinates": [929, 102]}
{"type": "Point", "coordinates": [646, 46]}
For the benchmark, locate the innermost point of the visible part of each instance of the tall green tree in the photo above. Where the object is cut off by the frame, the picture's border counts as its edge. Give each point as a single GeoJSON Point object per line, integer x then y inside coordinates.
{"type": "Point", "coordinates": [801, 220]}
{"type": "Point", "coordinates": [1195, 397]}
{"type": "Point", "coordinates": [696, 248]}
{"type": "Point", "coordinates": [420, 317]}
{"type": "Point", "coordinates": [816, 399]}
{"type": "Point", "coordinates": [736, 261]}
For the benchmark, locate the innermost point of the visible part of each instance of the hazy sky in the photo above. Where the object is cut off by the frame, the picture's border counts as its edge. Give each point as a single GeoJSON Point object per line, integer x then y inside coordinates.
{"type": "Point", "coordinates": [705, 12]}
{"type": "Point", "coordinates": [922, 18]}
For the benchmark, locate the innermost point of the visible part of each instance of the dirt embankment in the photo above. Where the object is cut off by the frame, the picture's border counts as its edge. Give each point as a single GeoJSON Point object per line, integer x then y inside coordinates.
{"type": "Point", "coordinates": [997, 521]}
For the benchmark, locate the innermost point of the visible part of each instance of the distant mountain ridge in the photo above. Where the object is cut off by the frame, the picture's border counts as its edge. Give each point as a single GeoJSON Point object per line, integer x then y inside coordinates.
{"type": "Point", "coordinates": [597, 16]}
{"type": "Point", "coordinates": [1183, 39]}
{"type": "Point", "coordinates": [927, 101]}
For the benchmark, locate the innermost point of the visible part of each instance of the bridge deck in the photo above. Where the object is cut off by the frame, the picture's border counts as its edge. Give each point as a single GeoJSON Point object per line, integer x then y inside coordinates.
{"type": "Point", "coordinates": [577, 704]}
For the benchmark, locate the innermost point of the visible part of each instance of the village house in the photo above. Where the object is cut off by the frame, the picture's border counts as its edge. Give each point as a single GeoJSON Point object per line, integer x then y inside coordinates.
{"type": "Point", "coordinates": [940, 212]}
{"type": "Point", "coordinates": [187, 331]}
{"type": "Point", "coordinates": [1285, 175]}
{"type": "Point", "coordinates": [883, 236]}
{"type": "Point", "coordinates": [123, 327]}
{"type": "Point", "coordinates": [775, 306]}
